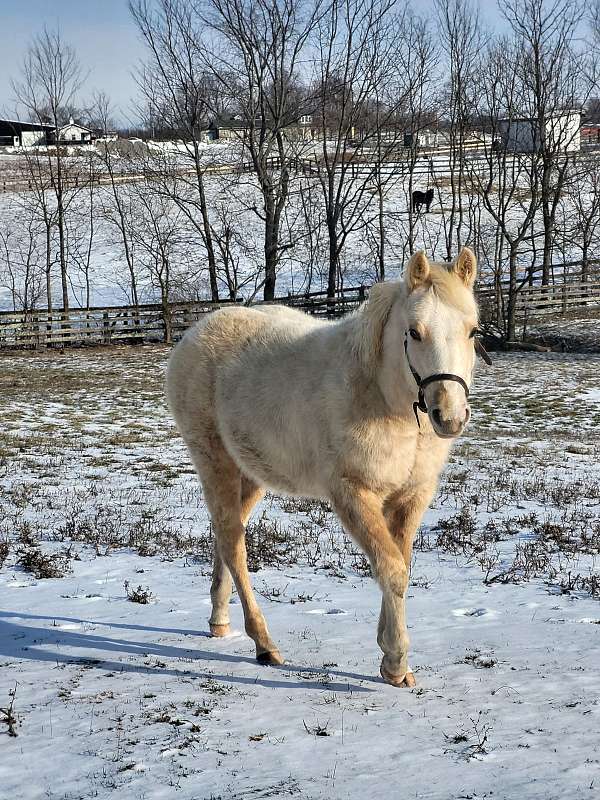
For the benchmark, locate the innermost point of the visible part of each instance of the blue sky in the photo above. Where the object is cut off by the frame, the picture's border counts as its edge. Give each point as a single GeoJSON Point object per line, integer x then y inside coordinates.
{"type": "Point", "coordinates": [100, 30]}
{"type": "Point", "coordinates": [105, 39]}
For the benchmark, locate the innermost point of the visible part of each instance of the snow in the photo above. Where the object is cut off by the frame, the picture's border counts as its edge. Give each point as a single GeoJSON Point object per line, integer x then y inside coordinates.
{"type": "Point", "coordinates": [117, 699]}
{"type": "Point", "coordinates": [95, 674]}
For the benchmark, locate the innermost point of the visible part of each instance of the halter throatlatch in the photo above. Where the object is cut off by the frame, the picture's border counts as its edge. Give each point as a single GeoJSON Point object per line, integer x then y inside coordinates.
{"type": "Point", "coordinates": [420, 404]}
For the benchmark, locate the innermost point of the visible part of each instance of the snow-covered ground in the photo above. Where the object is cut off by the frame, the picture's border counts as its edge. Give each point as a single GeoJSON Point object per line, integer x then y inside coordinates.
{"type": "Point", "coordinates": [116, 699]}
{"type": "Point", "coordinates": [96, 252]}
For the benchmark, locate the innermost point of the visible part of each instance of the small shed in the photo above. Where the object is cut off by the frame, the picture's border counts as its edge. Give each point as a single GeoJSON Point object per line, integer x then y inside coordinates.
{"type": "Point", "coordinates": [14, 133]}
{"type": "Point", "coordinates": [560, 131]}
{"type": "Point", "coordinates": [590, 133]}
{"type": "Point", "coordinates": [425, 137]}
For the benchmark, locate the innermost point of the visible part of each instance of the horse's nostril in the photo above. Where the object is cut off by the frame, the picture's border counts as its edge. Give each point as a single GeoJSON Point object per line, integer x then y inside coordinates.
{"type": "Point", "coordinates": [437, 416]}
{"type": "Point", "coordinates": [467, 415]}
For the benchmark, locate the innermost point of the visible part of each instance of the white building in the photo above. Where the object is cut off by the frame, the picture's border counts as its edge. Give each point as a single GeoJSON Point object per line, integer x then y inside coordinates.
{"type": "Point", "coordinates": [73, 132]}
{"type": "Point", "coordinates": [14, 133]}
{"type": "Point", "coordinates": [560, 131]}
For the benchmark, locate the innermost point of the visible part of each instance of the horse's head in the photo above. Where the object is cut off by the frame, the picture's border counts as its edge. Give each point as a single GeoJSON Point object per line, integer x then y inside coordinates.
{"type": "Point", "coordinates": [440, 321]}
{"type": "Point", "coordinates": [423, 329]}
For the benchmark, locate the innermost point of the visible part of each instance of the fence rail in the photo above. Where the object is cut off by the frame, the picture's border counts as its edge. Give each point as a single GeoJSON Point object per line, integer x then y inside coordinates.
{"type": "Point", "coordinates": [143, 323]}
{"type": "Point", "coordinates": [155, 322]}
{"type": "Point", "coordinates": [106, 325]}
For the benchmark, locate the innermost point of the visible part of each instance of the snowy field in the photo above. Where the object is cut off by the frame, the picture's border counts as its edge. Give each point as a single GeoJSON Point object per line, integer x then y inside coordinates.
{"type": "Point", "coordinates": [113, 698]}
{"type": "Point", "coordinates": [96, 252]}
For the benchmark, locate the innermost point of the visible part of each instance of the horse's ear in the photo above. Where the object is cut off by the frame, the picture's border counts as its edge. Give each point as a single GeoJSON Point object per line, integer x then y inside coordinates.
{"type": "Point", "coordinates": [465, 266]}
{"type": "Point", "coordinates": [369, 340]}
{"type": "Point", "coordinates": [417, 270]}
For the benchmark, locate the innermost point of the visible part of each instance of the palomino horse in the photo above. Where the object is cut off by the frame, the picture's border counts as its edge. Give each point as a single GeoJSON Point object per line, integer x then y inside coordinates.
{"type": "Point", "coordinates": [269, 397]}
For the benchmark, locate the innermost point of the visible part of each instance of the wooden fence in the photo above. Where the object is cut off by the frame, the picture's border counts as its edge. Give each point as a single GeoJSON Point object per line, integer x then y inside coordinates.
{"type": "Point", "coordinates": [144, 323]}
{"type": "Point", "coordinates": [105, 325]}
{"type": "Point", "coordinates": [153, 323]}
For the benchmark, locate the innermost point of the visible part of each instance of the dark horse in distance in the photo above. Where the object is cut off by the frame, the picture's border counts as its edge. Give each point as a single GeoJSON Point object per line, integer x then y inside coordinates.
{"type": "Point", "coordinates": [422, 198]}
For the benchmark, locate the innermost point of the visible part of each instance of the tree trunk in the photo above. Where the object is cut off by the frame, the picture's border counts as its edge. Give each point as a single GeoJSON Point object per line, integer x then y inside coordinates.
{"type": "Point", "coordinates": [333, 259]}
{"type": "Point", "coordinates": [61, 231]}
{"type": "Point", "coordinates": [271, 240]}
{"type": "Point", "coordinates": [584, 260]}
{"type": "Point", "coordinates": [511, 311]}
{"type": "Point", "coordinates": [547, 252]}
{"type": "Point", "coordinates": [208, 242]}
{"type": "Point", "coordinates": [381, 231]}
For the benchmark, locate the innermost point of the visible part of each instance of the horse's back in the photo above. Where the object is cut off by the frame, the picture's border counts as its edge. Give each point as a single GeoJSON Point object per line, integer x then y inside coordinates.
{"type": "Point", "coordinates": [230, 339]}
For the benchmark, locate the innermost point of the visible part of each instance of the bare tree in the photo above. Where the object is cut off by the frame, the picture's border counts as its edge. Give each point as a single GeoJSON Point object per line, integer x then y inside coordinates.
{"type": "Point", "coordinates": [462, 40]}
{"type": "Point", "coordinates": [256, 59]}
{"type": "Point", "coordinates": [22, 259]}
{"type": "Point", "coordinates": [118, 211]}
{"type": "Point", "coordinates": [180, 91]}
{"type": "Point", "coordinates": [51, 77]}
{"type": "Point", "coordinates": [418, 60]}
{"type": "Point", "coordinates": [507, 182]}
{"type": "Point", "coordinates": [551, 82]}
{"type": "Point", "coordinates": [582, 214]}
{"type": "Point", "coordinates": [158, 237]}
{"type": "Point", "coordinates": [359, 91]}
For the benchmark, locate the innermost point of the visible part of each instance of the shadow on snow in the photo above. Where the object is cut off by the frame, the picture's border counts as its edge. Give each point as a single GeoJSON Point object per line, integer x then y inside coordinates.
{"type": "Point", "coordinates": [44, 644]}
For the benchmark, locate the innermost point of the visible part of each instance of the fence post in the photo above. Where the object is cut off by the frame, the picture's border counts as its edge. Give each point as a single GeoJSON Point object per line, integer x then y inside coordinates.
{"type": "Point", "coordinates": [106, 328]}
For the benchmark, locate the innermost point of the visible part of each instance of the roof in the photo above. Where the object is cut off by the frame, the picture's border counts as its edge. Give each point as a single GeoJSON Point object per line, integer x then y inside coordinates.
{"type": "Point", "coordinates": [235, 122]}
{"type": "Point", "coordinates": [232, 122]}
{"type": "Point", "coordinates": [72, 124]}
{"type": "Point", "coordinates": [19, 125]}
{"type": "Point", "coordinates": [566, 112]}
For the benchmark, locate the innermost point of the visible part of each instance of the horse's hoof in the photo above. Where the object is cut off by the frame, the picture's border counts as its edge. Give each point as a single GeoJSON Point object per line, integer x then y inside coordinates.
{"type": "Point", "coordinates": [405, 681]}
{"type": "Point", "coordinates": [272, 658]}
{"type": "Point", "coordinates": [219, 630]}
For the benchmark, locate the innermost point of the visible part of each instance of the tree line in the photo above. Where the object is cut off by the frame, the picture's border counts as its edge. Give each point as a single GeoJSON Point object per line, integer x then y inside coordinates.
{"type": "Point", "coordinates": [329, 103]}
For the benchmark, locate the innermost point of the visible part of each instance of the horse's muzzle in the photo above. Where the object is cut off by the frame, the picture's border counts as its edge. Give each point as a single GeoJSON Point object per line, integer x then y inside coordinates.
{"type": "Point", "coordinates": [448, 428]}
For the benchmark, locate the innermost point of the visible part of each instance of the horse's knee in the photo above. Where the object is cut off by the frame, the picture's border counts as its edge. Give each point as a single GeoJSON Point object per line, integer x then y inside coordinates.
{"type": "Point", "coordinates": [394, 579]}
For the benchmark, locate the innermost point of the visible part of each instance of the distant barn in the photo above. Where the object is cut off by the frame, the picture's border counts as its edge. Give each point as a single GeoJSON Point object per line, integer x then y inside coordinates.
{"type": "Point", "coordinates": [14, 133]}
{"type": "Point", "coordinates": [560, 131]}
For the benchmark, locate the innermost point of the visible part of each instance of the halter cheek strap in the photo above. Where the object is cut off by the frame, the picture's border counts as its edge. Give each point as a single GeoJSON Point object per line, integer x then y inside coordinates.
{"type": "Point", "coordinates": [422, 383]}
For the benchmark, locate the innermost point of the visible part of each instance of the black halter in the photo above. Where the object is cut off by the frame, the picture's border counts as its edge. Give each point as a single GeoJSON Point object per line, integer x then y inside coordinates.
{"type": "Point", "coordinates": [420, 404]}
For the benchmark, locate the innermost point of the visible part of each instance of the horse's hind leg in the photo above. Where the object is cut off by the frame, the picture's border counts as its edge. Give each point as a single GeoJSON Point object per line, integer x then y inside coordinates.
{"type": "Point", "coordinates": [220, 590]}
{"type": "Point", "coordinates": [230, 499]}
{"type": "Point", "coordinates": [220, 594]}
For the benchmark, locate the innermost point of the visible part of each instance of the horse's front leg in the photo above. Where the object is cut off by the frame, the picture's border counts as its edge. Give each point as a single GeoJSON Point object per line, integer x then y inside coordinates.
{"type": "Point", "coordinates": [361, 513]}
{"type": "Point", "coordinates": [403, 513]}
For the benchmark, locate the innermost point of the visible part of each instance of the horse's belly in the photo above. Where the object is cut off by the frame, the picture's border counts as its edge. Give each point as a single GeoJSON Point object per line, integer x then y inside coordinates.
{"type": "Point", "coordinates": [272, 461]}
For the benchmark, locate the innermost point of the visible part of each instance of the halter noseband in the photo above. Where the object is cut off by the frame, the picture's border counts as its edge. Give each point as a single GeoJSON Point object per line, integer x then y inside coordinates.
{"type": "Point", "coordinates": [420, 404]}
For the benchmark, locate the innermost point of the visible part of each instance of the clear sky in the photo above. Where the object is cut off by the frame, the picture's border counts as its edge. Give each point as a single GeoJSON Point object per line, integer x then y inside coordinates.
{"type": "Point", "coordinates": [105, 39]}
{"type": "Point", "coordinates": [101, 31]}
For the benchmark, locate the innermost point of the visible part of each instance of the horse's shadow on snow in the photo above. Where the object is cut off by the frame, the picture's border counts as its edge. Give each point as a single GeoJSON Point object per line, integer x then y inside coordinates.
{"type": "Point", "coordinates": [47, 643]}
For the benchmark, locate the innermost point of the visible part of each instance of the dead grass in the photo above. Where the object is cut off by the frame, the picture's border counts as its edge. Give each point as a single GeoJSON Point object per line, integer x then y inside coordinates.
{"type": "Point", "coordinates": [99, 463]}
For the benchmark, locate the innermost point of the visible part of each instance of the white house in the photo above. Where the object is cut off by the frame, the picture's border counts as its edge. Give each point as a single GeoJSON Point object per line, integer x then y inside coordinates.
{"type": "Point", "coordinates": [73, 132]}
{"type": "Point", "coordinates": [560, 131]}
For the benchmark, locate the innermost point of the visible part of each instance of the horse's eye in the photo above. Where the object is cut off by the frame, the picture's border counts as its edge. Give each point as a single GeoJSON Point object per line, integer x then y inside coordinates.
{"type": "Point", "coordinates": [414, 334]}
{"type": "Point", "coordinates": [473, 332]}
